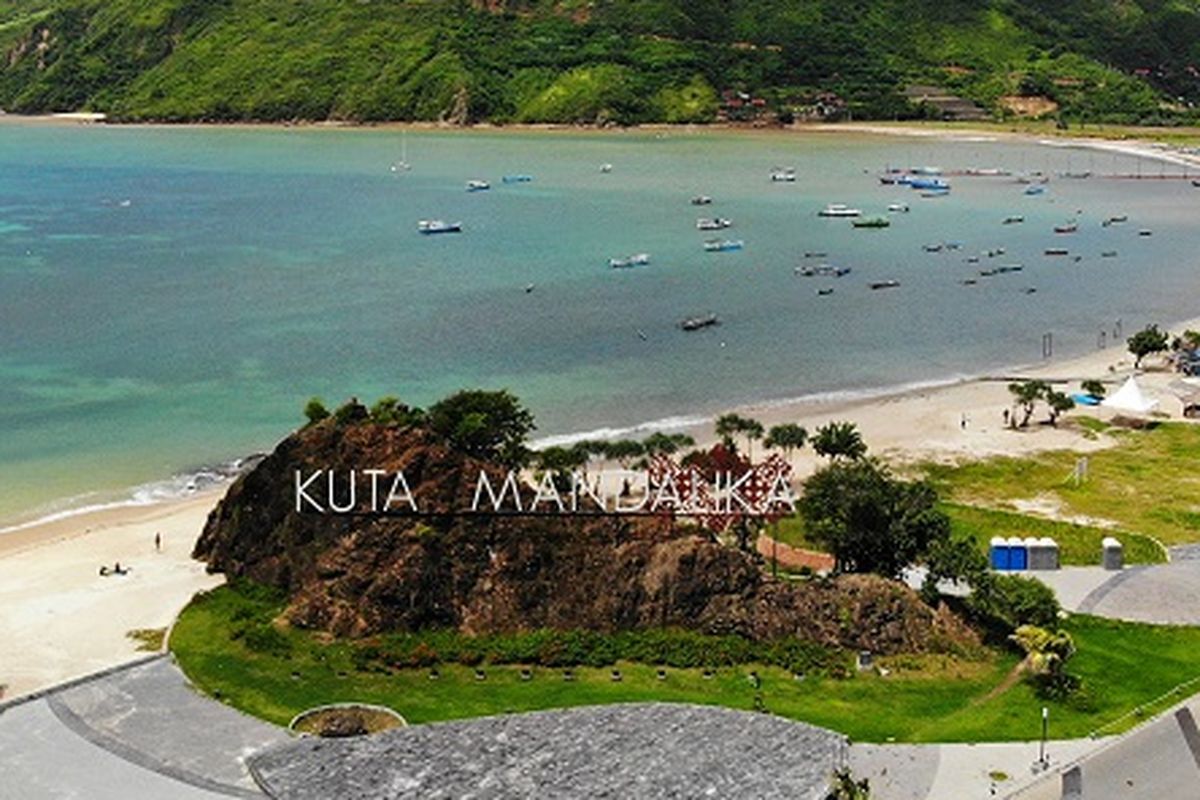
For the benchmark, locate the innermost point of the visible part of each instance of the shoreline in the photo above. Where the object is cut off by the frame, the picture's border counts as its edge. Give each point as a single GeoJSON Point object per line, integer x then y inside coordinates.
{"type": "Point", "coordinates": [28, 527]}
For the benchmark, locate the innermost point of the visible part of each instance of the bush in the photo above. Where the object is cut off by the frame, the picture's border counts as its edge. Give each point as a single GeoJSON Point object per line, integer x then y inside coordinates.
{"type": "Point", "coordinates": [1006, 602]}
{"type": "Point", "coordinates": [267, 640]}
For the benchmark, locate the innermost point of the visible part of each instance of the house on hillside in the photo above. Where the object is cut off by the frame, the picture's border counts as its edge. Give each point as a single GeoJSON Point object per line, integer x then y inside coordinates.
{"type": "Point", "coordinates": [948, 106]}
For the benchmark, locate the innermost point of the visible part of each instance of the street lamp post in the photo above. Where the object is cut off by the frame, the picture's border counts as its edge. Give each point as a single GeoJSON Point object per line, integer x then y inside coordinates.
{"type": "Point", "coordinates": [1043, 762]}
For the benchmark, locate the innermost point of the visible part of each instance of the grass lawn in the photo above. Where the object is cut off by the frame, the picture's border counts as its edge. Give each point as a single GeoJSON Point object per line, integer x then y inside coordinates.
{"type": "Point", "coordinates": [1079, 545]}
{"type": "Point", "coordinates": [1147, 483]}
{"type": "Point", "coordinates": [924, 698]}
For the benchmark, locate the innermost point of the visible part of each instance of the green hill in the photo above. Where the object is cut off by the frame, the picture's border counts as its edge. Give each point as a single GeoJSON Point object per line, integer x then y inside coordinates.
{"type": "Point", "coordinates": [623, 61]}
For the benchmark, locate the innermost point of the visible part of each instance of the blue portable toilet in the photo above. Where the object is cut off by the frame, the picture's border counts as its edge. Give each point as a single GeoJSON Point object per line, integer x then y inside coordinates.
{"type": "Point", "coordinates": [998, 554]}
{"type": "Point", "coordinates": [1018, 553]}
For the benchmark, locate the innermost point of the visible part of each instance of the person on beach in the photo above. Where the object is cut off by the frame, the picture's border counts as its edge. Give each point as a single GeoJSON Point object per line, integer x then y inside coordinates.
{"type": "Point", "coordinates": [157, 542]}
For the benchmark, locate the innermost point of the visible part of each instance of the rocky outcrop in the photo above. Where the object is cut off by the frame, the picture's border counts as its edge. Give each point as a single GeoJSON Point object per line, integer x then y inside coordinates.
{"type": "Point", "coordinates": [359, 575]}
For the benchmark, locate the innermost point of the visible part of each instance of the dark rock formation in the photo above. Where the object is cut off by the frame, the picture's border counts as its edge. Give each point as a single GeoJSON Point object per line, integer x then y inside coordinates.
{"type": "Point", "coordinates": [359, 575]}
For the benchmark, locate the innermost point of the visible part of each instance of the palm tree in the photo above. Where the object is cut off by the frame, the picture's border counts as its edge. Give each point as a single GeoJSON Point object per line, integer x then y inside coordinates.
{"type": "Point", "coordinates": [1046, 652]}
{"type": "Point", "coordinates": [752, 429]}
{"type": "Point", "coordinates": [787, 437]}
{"type": "Point", "coordinates": [1093, 388]}
{"type": "Point", "coordinates": [839, 440]}
{"type": "Point", "coordinates": [726, 427]}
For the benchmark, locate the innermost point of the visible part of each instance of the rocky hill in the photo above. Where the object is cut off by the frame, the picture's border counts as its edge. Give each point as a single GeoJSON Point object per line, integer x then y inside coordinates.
{"type": "Point", "coordinates": [354, 575]}
{"type": "Point", "coordinates": [623, 61]}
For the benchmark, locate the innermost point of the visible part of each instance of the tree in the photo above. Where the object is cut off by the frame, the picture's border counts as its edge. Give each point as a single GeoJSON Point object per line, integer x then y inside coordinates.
{"type": "Point", "coordinates": [487, 425]}
{"type": "Point", "coordinates": [1059, 404]}
{"type": "Point", "coordinates": [315, 410]}
{"type": "Point", "coordinates": [388, 410]}
{"type": "Point", "coordinates": [954, 558]}
{"type": "Point", "coordinates": [728, 426]}
{"type": "Point", "coordinates": [844, 787]}
{"type": "Point", "coordinates": [666, 444]}
{"type": "Point", "coordinates": [624, 451]}
{"type": "Point", "coordinates": [1046, 652]}
{"type": "Point", "coordinates": [787, 437]}
{"type": "Point", "coordinates": [1094, 388]}
{"type": "Point", "coordinates": [837, 440]}
{"type": "Point", "coordinates": [1026, 394]}
{"type": "Point", "coordinates": [1147, 341]}
{"type": "Point", "coordinates": [869, 520]}
{"type": "Point", "coordinates": [560, 462]}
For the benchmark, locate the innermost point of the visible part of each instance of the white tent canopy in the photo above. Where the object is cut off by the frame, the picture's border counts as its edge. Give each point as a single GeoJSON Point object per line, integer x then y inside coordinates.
{"type": "Point", "coordinates": [1130, 398]}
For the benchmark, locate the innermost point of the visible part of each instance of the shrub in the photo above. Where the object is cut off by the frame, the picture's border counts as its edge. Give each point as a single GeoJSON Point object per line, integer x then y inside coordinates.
{"type": "Point", "coordinates": [1006, 602]}
{"type": "Point", "coordinates": [315, 410]}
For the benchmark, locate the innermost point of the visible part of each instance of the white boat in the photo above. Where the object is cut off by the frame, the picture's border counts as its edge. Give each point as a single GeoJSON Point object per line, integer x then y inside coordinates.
{"type": "Point", "coordinates": [783, 175]}
{"type": "Point", "coordinates": [714, 224]}
{"type": "Point", "coordinates": [723, 245]}
{"type": "Point", "coordinates": [478, 186]}
{"type": "Point", "coordinates": [839, 210]}
{"type": "Point", "coordinates": [606, 168]}
{"type": "Point", "coordinates": [635, 260]}
{"type": "Point", "coordinates": [402, 165]}
{"type": "Point", "coordinates": [898, 208]}
{"type": "Point", "coordinates": [428, 226]}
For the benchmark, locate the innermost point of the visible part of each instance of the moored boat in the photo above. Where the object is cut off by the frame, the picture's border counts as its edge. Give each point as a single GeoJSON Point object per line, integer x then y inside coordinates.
{"type": "Point", "coordinates": [431, 226]}
{"type": "Point", "coordinates": [520, 178]}
{"type": "Point", "coordinates": [699, 322]}
{"type": "Point", "coordinates": [1070, 227]}
{"type": "Point", "coordinates": [702, 200]}
{"type": "Point", "coordinates": [714, 224]}
{"type": "Point", "coordinates": [1055, 251]}
{"type": "Point", "coordinates": [478, 186]}
{"type": "Point", "coordinates": [884, 284]}
{"type": "Point", "coordinates": [1015, 219]}
{"type": "Point", "coordinates": [783, 175]}
{"type": "Point", "coordinates": [1035, 189]}
{"type": "Point", "coordinates": [839, 210]}
{"type": "Point", "coordinates": [928, 183]}
{"type": "Point", "coordinates": [871, 222]}
{"type": "Point", "coordinates": [636, 260]}
{"type": "Point", "coordinates": [898, 208]}
{"type": "Point", "coordinates": [723, 245]}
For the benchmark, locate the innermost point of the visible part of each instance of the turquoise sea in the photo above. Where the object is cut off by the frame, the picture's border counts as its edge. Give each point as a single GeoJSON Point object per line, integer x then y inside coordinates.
{"type": "Point", "coordinates": [170, 297]}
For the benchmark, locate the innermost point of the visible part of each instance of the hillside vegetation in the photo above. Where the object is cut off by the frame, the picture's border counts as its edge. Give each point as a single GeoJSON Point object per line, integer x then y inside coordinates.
{"type": "Point", "coordinates": [623, 61]}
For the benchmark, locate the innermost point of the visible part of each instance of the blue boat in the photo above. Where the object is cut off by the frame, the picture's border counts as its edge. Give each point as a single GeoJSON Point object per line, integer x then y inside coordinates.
{"type": "Point", "coordinates": [918, 182]}
{"type": "Point", "coordinates": [723, 246]}
{"type": "Point", "coordinates": [1035, 189]}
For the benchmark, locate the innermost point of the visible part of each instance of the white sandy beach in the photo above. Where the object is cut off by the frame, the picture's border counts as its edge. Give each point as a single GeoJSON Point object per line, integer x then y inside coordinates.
{"type": "Point", "coordinates": [60, 619]}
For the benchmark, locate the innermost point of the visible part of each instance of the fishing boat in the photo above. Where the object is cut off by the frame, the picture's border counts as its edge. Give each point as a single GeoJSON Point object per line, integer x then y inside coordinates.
{"type": "Point", "coordinates": [1118, 219]}
{"type": "Point", "coordinates": [871, 222]}
{"type": "Point", "coordinates": [1070, 227]}
{"type": "Point", "coordinates": [1075, 175]}
{"type": "Point", "coordinates": [521, 178]}
{"type": "Point", "coordinates": [702, 200]}
{"type": "Point", "coordinates": [714, 224]}
{"type": "Point", "coordinates": [699, 323]}
{"type": "Point", "coordinates": [996, 251]}
{"type": "Point", "coordinates": [1109, 254]}
{"type": "Point", "coordinates": [888, 180]}
{"type": "Point", "coordinates": [723, 245]}
{"type": "Point", "coordinates": [928, 183]}
{"type": "Point", "coordinates": [431, 226]}
{"type": "Point", "coordinates": [839, 210]}
{"type": "Point", "coordinates": [969, 282]}
{"type": "Point", "coordinates": [898, 208]}
{"type": "Point", "coordinates": [1035, 189]}
{"type": "Point", "coordinates": [1005, 269]}
{"type": "Point", "coordinates": [824, 271]}
{"type": "Point", "coordinates": [926, 170]}
{"type": "Point", "coordinates": [1016, 219]}
{"type": "Point", "coordinates": [606, 168]}
{"type": "Point", "coordinates": [783, 175]}
{"type": "Point", "coordinates": [1145, 232]}
{"type": "Point", "coordinates": [933, 248]}
{"type": "Point", "coordinates": [636, 260]}
{"type": "Point", "coordinates": [935, 192]}
{"type": "Point", "coordinates": [884, 284]}
{"type": "Point", "coordinates": [972, 259]}
{"type": "Point", "coordinates": [1055, 251]}
{"type": "Point", "coordinates": [1196, 183]}
{"type": "Point", "coordinates": [824, 292]}
{"type": "Point", "coordinates": [478, 186]}
{"type": "Point", "coordinates": [1029, 290]}
{"type": "Point", "coordinates": [816, 254]}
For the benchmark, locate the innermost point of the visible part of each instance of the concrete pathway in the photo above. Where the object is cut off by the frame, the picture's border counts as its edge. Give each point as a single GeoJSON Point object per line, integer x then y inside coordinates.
{"type": "Point", "coordinates": [136, 733]}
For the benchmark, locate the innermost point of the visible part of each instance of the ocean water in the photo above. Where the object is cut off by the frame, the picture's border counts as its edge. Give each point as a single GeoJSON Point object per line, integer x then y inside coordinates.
{"type": "Point", "coordinates": [170, 297]}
